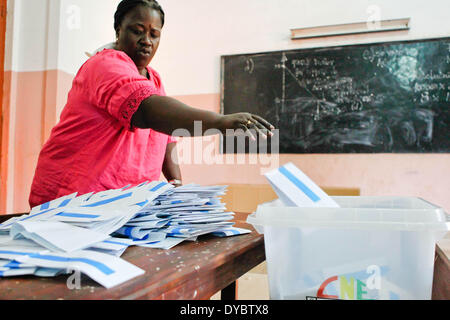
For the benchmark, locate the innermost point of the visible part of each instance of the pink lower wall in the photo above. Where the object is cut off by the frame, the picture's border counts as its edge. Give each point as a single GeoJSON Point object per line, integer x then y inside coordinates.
{"type": "Point", "coordinates": [33, 101]}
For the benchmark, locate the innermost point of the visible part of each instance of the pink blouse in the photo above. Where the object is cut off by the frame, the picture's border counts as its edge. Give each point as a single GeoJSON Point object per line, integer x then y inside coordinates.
{"type": "Point", "coordinates": [94, 147]}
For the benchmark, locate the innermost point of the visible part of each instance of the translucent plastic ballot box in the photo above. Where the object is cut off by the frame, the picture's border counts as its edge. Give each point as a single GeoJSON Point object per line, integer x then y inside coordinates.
{"type": "Point", "coordinates": [369, 248]}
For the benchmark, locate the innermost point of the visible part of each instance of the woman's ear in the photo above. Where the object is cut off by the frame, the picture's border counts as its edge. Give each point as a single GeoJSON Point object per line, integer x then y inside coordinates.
{"type": "Point", "coordinates": [117, 35]}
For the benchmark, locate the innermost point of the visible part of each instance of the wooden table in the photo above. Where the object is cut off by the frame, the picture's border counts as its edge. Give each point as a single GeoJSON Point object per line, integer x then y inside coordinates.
{"type": "Point", "coordinates": [190, 270]}
{"type": "Point", "coordinates": [441, 276]}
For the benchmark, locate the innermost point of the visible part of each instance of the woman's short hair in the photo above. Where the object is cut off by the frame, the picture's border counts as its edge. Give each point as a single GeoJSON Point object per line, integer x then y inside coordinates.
{"type": "Point", "coordinates": [126, 6]}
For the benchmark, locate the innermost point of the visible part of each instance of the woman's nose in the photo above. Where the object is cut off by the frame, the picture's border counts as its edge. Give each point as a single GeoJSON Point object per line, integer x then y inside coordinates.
{"type": "Point", "coordinates": [146, 39]}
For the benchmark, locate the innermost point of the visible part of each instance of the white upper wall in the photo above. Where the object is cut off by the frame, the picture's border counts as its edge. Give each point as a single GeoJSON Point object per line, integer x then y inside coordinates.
{"type": "Point", "coordinates": [86, 25]}
{"type": "Point", "coordinates": [55, 34]}
{"type": "Point", "coordinates": [198, 32]}
{"type": "Point", "coordinates": [26, 35]}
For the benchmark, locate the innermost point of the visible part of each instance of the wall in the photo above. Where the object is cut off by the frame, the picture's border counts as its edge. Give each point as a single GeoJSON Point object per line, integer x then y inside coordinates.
{"type": "Point", "coordinates": [197, 33]}
{"type": "Point", "coordinates": [47, 41]}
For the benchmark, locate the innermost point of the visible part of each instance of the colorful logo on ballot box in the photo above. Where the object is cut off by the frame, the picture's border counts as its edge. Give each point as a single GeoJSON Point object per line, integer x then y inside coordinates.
{"type": "Point", "coordinates": [350, 287]}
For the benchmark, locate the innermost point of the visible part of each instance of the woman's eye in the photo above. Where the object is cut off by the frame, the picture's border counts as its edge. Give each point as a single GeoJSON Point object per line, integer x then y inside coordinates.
{"type": "Point", "coordinates": [135, 31]}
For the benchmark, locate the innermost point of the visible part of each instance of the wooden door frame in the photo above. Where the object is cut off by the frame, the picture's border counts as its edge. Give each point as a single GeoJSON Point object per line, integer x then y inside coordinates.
{"type": "Point", "coordinates": [3, 14]}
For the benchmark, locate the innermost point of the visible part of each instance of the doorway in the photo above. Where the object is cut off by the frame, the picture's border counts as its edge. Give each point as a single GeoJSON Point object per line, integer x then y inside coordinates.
{"type": "Point", "coordinates": [3, 13]}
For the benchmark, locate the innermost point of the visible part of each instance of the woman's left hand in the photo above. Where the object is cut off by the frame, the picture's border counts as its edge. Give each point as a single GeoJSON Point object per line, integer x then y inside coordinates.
{"type": "Point", "coordinates": [246, 121]}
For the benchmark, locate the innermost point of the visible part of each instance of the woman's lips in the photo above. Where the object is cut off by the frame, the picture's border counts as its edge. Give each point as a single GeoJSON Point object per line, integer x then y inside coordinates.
{"type": "Point", "coordinates": [145, 52]}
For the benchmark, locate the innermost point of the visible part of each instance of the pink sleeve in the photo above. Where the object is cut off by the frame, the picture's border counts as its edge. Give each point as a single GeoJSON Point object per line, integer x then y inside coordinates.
{"type": "Point", "coordinates": [115, 85]}
{"type": "Point", "coordinates": [172, 139]}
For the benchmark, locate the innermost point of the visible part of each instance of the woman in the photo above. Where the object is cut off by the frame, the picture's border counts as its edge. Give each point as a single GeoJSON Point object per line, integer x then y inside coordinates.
{"type": "Point", "coordinates": [115, 128]}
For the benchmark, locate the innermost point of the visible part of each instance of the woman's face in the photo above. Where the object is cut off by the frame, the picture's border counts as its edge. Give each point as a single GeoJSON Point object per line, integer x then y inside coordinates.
{"type": "Point", "coordinates": [138, 35]}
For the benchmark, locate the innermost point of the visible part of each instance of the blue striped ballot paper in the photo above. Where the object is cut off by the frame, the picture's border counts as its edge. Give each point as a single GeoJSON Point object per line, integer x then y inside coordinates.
{"type": "Point", "coordinates": [106, 269]}
{"type": "Point", "coordinates": [296, 189]}
{"type": "Point", "coordinates": [90, 232]}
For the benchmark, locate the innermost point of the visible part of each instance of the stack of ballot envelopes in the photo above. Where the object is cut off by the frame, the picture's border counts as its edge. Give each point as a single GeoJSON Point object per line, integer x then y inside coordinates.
{"type": "Point", "coordinates": [90, 232]}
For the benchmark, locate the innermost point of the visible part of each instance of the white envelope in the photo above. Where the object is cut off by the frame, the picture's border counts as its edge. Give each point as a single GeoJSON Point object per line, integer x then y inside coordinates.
{"type": "Point", "coordinates": [56, 203]}
{"type": "Point", "coordinates": [107, 270]}
{"type": "Point", "coordinates": [165, 244]}
{"type": "Point", "coordinates": [56, 236]}
{"type": "Point", "coordinates": [294, 188]}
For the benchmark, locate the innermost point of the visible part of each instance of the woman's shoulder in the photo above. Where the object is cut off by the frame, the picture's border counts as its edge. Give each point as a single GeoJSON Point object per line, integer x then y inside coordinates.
{"type": "Point", "coordinates": [110, 55]}
{"type": "Point", "coordinates": [154, 73]}
{"type": "Point", "coordinates": [107, 61]}
{"type": "Point", "coordinates": [155, 77]}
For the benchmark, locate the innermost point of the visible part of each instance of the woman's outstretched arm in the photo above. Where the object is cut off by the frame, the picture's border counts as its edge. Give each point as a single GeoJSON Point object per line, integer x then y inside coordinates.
{"type": "Point", "coordinates": [166, 114]}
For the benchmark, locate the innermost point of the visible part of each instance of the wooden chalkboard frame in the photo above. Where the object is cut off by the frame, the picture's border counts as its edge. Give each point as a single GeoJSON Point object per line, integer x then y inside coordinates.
{"type": "Point", "coordinates": [420, 148]}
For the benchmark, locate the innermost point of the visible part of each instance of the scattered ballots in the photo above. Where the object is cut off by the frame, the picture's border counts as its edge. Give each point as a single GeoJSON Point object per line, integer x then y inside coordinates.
{"type": "Point", "coordinates": [90, 232]}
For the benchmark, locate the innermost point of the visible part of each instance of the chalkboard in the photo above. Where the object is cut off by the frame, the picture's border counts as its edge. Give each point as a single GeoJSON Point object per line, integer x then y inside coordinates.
{"type": "Point", "coordinates": [372, 98]}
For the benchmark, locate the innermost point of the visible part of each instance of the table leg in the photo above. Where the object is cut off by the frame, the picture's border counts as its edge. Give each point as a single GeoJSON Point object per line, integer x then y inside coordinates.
{"type": "Point", "coordinates": [229, 292]}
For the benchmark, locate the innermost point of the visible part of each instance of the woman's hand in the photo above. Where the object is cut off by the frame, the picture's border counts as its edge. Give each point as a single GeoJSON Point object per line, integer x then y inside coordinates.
{"type": "Point", "coordinates": [245, 121]}
{"type": "Point", "coordinates": [171, 167]}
